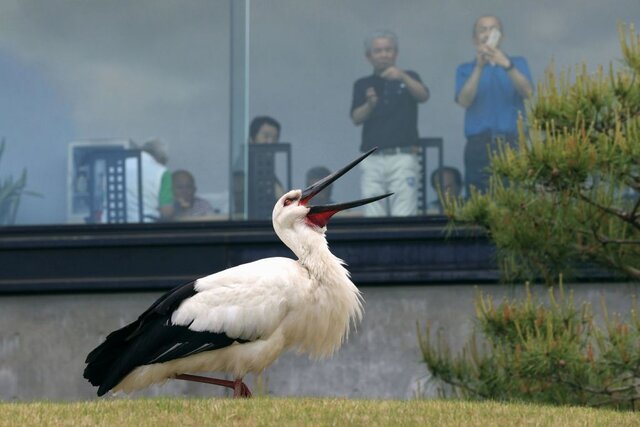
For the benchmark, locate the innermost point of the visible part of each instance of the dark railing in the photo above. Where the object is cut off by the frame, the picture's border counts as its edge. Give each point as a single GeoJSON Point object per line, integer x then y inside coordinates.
{"type": "Point", "coordinates": [159, 256]}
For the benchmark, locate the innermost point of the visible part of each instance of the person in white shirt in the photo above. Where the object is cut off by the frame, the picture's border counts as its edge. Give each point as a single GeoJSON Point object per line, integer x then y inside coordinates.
{"type": "Point", "coordinates": [157, 196]}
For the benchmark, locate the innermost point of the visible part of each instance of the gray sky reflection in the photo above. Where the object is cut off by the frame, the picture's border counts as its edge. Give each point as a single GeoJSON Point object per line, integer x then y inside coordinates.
{"type": "Point", "coordinates": [160, 69]}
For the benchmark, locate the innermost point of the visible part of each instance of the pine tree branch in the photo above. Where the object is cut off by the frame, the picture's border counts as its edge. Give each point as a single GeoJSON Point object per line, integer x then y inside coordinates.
{"type": "Point", "coordinates": [594, 255]}
{"type": "Point", "coordinates": [606, 241]}
{"type": "Point", "coordinates": [604, 391]}
{"type": "Point", "coordinates": [463, 386]}
{"type": "Point", "coordinates": [624, 216]}
{"type": "Point", "coordinates": [634, 212]}
{"type": "Point", "coordinates": [611, 400]}
{"type": "Point", "coordinates": [613, 211]}
{"type": "Point", "coordinates": [633, 272]}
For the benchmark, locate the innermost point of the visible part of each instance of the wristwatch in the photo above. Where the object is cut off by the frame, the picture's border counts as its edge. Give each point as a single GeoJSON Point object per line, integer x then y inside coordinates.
{"type": "Point", "coordinates": [510, 66]}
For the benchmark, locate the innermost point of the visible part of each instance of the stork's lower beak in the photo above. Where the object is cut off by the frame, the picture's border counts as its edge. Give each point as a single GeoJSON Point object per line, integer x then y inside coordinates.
{"type": "Point", "coordinates": [320, 215]}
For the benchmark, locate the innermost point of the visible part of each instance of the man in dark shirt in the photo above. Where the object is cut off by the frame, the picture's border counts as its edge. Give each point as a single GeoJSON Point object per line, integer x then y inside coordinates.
{"type": "Point", "coordinates": [386, 104]}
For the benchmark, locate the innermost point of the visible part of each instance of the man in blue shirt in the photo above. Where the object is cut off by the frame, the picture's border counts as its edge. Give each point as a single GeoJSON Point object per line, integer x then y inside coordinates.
{"type": "Point", "coordinates": [385, 103]}
{"type": "Point", "coordinates": [492, 88]}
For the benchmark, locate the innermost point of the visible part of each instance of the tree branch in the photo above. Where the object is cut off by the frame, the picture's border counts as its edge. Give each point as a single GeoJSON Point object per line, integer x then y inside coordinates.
{"type": "Point", "coordinates": [461, 385]}
{"type": "Point", "coordinates": [606, 241]}
{"type": "Point", "coordinates": [634, 212]}
{"type": "Point", "coordinates": [604, 391]}
{"type": "Point", "coordinates": [624, 216]}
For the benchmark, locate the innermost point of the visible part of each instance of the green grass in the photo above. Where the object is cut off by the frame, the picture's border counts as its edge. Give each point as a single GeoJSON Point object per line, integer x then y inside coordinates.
{"type": "Point", "coordinates": [302, 411]}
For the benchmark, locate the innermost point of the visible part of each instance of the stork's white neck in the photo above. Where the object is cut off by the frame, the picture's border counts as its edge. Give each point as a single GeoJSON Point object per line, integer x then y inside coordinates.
{"type": "Point", "coordinates": [312, 250]}
{"type": "Point", "coordinates": [335, 301]}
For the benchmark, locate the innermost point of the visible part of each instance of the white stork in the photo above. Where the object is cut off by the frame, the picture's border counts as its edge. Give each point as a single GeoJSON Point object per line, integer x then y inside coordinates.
{"type": "Point", "coordinates": [241, 319]}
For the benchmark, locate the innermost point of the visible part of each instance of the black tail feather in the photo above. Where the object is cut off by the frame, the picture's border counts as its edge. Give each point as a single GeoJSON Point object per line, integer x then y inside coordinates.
{"type": "Point", "coordinates": [102, 360]}
{"type": "Point", "coordinates": [152, 338]}
{"type": "Point", "coordinates": [159, 341]}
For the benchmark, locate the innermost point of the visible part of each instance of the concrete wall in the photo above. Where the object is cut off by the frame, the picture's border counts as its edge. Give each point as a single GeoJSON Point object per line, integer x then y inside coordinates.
{"type": "Point", "coordinates": [44, 340]}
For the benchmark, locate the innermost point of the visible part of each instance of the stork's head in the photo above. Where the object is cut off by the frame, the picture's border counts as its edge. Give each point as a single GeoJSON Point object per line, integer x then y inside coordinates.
{"type": "Point", "coordinates": [294, 212]}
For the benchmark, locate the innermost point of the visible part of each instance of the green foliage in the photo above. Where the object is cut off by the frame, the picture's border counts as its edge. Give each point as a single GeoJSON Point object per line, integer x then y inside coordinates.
{"type": "Point", "coordinates": [570, 192]}
{"type": "Point", "coordinates": [551, 353]}
{"type": "Point", "coordinates": [10, 192]}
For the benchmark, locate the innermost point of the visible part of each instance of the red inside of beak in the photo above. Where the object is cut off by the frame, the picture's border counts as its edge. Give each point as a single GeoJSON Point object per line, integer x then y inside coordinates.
{"type": "Point", "coordinates": [320, 219]}
{"type": "Point", "coordinates": [317, 219]}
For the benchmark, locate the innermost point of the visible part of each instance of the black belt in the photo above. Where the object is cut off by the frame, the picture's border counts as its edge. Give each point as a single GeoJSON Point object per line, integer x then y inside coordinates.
{"type": "Point", "coordinates": [394, 150]}
{"type": "Point", "coordinates": [489, 136]}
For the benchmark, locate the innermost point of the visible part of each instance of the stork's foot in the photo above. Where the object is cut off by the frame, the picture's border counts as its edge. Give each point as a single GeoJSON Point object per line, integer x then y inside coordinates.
{"type": "Point", "coordinates": [240, 389]}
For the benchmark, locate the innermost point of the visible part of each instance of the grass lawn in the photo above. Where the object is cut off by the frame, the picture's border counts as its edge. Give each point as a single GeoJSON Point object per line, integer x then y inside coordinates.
{"type": "Point", "coordinates": [302, 411]}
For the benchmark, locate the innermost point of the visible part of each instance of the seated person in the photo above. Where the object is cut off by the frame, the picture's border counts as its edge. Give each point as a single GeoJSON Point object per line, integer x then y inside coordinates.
{"type": "Point", "coordinates": [157, 199]}
{"type": "Point", "coordinates": [266, 130]}
{"type": "Point", "coordinates": [188, 206]}
{"type": "Point", "coordinates": [314, 175]}
{"type": "Point", "coordinates": [448, 181]}
{"type": "Point", "coordinates": [262, 130]}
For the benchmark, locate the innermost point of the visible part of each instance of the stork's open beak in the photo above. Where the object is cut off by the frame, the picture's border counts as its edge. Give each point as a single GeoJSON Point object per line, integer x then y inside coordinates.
{"type": "Point", "coordinates": [320, 215]}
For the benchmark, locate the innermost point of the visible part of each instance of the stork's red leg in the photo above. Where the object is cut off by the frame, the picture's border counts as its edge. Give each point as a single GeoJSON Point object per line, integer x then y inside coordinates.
{"type": "Point", "coordinates": [240, 389]}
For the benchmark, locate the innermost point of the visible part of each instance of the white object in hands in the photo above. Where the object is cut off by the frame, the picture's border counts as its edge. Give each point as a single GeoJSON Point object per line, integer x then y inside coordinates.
{"type": "Point", "coordinates": [239, 320]}
{"type": "Point", "coordinates": [493, 40]}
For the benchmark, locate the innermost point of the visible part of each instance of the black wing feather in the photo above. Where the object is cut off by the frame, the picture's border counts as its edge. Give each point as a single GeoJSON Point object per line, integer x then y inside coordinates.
{"type": "Point", "coordinates": [163, 305]}
{"type": "Point", "coordinates": [150, 339]}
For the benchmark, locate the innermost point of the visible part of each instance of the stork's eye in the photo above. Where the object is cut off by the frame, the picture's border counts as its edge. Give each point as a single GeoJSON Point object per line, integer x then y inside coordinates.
{"type": "Point", "coordinates": [288, 201]}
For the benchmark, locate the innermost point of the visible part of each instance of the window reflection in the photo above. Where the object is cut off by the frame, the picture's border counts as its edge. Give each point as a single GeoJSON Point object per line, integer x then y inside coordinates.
{"type": "Point", "coordinates": [94, 72]}
{"type": "Point", "coordinates": [87, 178]}
{"type": "Point", "coordinates": [385, 104]}
{"type": "Point", "coordinates": [307, 79]}
{"type": "Point", "coordinates": [188, 206]}
{"type": "Point", "coordinates": [80, 77]}
{"type": "Point", "coordinates": [268, 171]}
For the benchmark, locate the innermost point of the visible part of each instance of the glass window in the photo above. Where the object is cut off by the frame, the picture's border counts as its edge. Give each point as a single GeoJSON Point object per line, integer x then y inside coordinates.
{"type": "Point", "coordinates": [305, 58]}
{"type": "Point", "coordinates": [101, 99]}
{"type": "Point", "coordinates": [84, 80]}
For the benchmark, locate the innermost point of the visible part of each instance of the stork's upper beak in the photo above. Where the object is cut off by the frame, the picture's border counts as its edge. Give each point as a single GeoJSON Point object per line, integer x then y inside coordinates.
{"type": "Point", "coordinates": [320, 215]}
